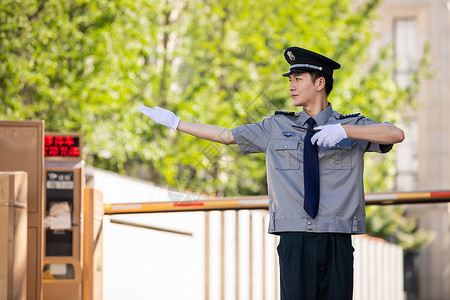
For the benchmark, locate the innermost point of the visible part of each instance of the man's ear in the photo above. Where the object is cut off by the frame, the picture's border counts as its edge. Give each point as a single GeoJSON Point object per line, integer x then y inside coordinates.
{"type": "Point", "coordinates": [320, 83]}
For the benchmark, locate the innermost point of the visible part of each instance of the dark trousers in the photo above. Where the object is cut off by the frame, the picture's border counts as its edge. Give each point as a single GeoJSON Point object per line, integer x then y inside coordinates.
{"type": "Point", "coordinates": [315, 266]}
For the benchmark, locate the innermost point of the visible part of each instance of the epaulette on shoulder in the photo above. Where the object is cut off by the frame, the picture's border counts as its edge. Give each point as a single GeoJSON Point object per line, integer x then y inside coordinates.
{"type": "Point", "coordinates": [341, 117]}
{"type": "Point", "coordinates": [287, 113]}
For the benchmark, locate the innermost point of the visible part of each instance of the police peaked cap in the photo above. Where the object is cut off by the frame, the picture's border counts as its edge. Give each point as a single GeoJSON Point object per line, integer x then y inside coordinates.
{"type": "Point", "coordinates": [302, 60]}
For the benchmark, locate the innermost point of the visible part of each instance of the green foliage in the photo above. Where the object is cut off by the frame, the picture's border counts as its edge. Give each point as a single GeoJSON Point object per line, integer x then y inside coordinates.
{"type": "Point", "coordinates": [86, 66]}
{"type": "Point", "coordinates": [390, 223]}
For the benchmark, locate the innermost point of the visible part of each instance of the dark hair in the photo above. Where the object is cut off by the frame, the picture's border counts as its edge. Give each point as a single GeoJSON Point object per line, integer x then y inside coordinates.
{"type": "Point", "coordinates": [328, 80]}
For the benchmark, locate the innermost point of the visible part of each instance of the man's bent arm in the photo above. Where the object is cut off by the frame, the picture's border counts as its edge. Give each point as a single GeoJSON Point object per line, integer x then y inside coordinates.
{"type": "Point", "coordinates": [207, 132]}
{"type": "Point", "coordinates": [384, 133]}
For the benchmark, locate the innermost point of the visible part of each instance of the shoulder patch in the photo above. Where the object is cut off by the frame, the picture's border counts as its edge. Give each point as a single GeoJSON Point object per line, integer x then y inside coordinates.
{"type": "Point", "coordinates": [341, 117]}
{"type": "Point", "coordinates": [287, 113]}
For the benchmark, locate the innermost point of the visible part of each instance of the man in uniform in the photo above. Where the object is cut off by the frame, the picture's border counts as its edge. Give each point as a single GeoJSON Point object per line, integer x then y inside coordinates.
{"type": "Point", "coordinates": [314, 162]}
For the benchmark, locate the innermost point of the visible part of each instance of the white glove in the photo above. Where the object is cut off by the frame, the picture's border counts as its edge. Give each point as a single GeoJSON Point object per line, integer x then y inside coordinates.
{"type": "Point", "coordinates": [329, 135]}
{"type": "Point", "coordinates": [161, 116]}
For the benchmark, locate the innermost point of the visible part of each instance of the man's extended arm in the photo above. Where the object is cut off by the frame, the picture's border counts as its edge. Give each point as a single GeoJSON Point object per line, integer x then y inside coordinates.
{"type": "Point", "coordinates": [205, 131]}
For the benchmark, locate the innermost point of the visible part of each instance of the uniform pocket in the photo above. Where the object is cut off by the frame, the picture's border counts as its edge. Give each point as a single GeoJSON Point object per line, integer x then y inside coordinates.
{"type": "Point", "coordinates": [287, 154]}
{"type": "Point", "coordinates": [338, 157]}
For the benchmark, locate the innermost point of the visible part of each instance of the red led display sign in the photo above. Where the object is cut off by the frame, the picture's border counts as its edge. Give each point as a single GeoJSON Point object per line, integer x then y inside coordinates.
{"type": "Point", "coordinates": [62, 146]}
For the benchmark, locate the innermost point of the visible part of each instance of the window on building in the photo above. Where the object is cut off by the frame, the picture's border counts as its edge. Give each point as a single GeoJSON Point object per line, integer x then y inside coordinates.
{"type": "Point", "coordinates": [406, 49]}
{"type": "Point", "coordinates": [406, 54]}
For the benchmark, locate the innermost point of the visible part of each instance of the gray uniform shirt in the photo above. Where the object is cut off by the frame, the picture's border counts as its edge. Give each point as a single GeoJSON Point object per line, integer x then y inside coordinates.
{"type": "Point", "coordinates": [342, 205]}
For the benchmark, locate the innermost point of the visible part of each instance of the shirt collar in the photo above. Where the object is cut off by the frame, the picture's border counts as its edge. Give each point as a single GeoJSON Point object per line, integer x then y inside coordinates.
{"type": "Point", "coordinates": [321, 118]}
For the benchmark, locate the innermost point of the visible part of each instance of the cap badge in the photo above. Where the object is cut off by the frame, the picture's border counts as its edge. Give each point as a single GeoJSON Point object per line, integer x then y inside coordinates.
{"type": "Point", "coordinates": [291, 56]}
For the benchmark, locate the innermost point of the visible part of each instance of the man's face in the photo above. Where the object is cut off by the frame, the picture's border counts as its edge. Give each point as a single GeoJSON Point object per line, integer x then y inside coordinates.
{"type": "Point", "coordinates": [302, 88]}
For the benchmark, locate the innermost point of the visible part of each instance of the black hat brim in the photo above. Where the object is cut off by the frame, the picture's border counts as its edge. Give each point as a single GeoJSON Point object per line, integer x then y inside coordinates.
{"type": "Point", "coordinates": [305, 70]}
{"type": "Point", "coordinates": [298, 70]}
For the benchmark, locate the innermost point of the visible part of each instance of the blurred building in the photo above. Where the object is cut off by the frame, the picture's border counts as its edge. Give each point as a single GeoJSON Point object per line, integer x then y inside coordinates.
{"type": "Point", "coordinates": [424, 157]}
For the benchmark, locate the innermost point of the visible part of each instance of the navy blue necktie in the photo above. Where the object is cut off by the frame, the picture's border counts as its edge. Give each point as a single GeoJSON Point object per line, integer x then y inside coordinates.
{"type": "Point", "coordinates": [311, 173]}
